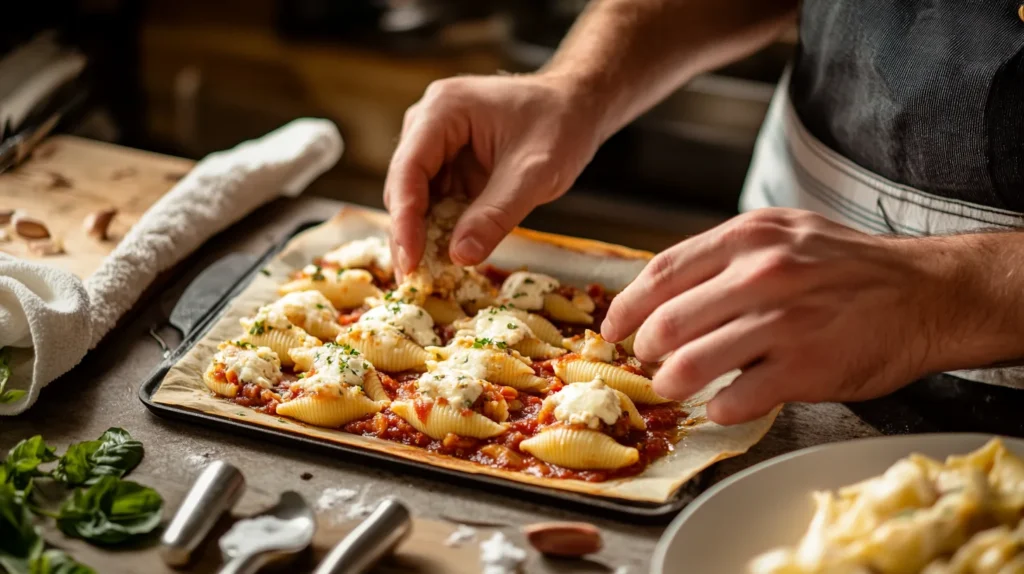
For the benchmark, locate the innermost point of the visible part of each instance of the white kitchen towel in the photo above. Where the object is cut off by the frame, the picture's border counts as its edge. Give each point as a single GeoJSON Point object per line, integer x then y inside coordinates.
{"type": "Point", "coordinates": [222, 189]}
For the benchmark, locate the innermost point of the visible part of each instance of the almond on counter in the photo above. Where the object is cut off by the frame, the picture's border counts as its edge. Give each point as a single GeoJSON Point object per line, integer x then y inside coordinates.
{"type": "Point", "coordinates": [97, 223]}
{"type": "Point", "coordinates": [5, 216]}
{"type": "Point", "coordinates": [565, 539]}
{"type": "Point", "coordinates": [29, 227]}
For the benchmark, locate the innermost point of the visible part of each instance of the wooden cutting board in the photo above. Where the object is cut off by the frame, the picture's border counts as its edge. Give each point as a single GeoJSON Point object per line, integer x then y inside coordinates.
{"type": "Point", "coordinates": [67, 178]}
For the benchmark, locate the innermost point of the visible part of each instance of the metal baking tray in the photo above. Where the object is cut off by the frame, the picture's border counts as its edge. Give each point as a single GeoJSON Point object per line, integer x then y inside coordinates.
{"type": "Point", "coordinates": [208, 303]}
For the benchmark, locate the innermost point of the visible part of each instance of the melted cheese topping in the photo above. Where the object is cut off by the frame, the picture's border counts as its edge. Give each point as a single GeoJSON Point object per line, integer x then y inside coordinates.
{"type": "Point", "coordinates": [595, 348]}
{"type": "Point", "coordinates": [362, 253]}
{"type": "Point", "coordinates": [587, 404]}
{"type": "Point", "coordinates": [474, 287]}
{"type": "Point", "coordinates": [410, 320]}
{"type": "Point", "coordinates": [500, 326]}
{"type": "Point", "coordinates": [255, 365]}
{"type": "Point", "coordinates": [459, 388]}
{"type": "Point", "coordinates": [336, 365]}
{"type": "Point", "coordinates": [307, 304]}
{"type": "Point", "coordinates": [272, 317]}
{"type": "Point", "coordinates": [526, 290]}
{"type": "Point", "coordinates": [463, 356]}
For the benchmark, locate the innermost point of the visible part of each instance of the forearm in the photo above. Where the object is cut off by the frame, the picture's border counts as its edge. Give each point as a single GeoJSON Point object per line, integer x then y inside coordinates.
{"type": "Point", "coordinates": [978, 314]}
{"type": "Point", "coordinates": [623, 56]}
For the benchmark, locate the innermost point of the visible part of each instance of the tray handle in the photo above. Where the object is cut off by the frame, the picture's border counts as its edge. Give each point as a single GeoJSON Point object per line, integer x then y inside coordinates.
{"type": "Point", "coordinates": [207, 289]}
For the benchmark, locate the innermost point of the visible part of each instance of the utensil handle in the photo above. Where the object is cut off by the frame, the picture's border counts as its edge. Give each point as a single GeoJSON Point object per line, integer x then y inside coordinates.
{"type": "Point", "coordinates": [215, 491]}
{"type": "Point", "coordinates": [374, 538]}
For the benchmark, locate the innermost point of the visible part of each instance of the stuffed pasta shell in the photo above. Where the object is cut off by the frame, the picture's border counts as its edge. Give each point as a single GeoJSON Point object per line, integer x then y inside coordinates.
{"type": "Point", "coordinates": [594, 357]}
{"type": "Point", "coordinates": [237, 364]}
{"type": "Point", "coordinates": [271, 328]}
{"type": "Point", "coordinates": [345, 288]}
{"type": "Point", "coordinates": [392, 336]}
{"type": "Point", "coordinates": [337, 386]}
{"type": "Point", "coordinates": [510, 326]}
{"type": "Point", "coordinates": [539, 292]}
{"type": "Point", "coordinates": [370, 253]}
{"type": "Point", "coordinates": [582, 420]}
{"type": "Point", "coordinates": [489, 360]}
{"type": "Point", "coordinates": [449, 401]}
{"type": "Point", "coordinates": [311, 311]}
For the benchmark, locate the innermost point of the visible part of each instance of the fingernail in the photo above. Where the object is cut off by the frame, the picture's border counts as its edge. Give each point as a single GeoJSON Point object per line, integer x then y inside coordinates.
{"type": "Point", "coordinates": [403, 260]}
{"type": "Point", "coordinates": [469, 250]}
{"type": "Point", "coordinates": [608, 330]}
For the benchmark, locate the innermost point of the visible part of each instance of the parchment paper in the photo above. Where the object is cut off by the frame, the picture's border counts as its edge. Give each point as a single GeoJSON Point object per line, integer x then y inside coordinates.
{"type": "Point", "coordinates": [574, 261]}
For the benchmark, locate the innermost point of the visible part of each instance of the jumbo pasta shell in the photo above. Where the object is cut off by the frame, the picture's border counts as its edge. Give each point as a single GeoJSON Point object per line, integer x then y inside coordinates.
{"type": "Point", "coordinates": [221, 388]}
{"type": "Point", "coordinates": [281, 341]}
{"type": "Point", "coordinates": [635, 420]}
{"type": "Point", "coordinates": [345, 290]}
{"type": "Point", "coordinates": [579, 449]}
{"type": "Point", "coordinates": [443, 311]}
{"type": "Point", "coordinates": [501, 368]}
{"type": "Point", "coordinates": [542, 328]}
{"type": "Point", "coordinates": [443, 419]}
{"type": "Point", "coordinates": [561, 309]}
{"type": "Point", "coordinates": [537, 349]}
{"type": "Point", "coordinates": [319, 327]}
{"type": "Point", "coordinates": [638, 389]}
{"type": "Point", "coordinates": [404, 355]}
{"type": "Point", "coordinates": [325, 409]}
{"type": "Point", "coordinates": [374, 389]}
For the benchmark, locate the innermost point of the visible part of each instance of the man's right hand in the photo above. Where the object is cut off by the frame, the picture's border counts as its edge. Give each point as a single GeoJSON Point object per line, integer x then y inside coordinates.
{"type": "Point", "coordinates": [510, 142]}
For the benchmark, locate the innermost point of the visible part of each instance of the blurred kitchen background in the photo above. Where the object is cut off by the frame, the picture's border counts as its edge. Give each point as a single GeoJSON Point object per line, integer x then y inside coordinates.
{"type": "Point", "coordinates": [188, 77]}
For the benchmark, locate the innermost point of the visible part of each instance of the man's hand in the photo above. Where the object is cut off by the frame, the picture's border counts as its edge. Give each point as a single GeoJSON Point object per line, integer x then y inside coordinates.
{"type": "Point", "coordinates": [512, 143]}
{"type": "Point", "coordinates": [809, 309]}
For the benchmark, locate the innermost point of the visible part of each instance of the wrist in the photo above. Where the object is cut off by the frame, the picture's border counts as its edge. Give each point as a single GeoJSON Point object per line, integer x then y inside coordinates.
{"type": "Point", "coordinates": [971, 302]}
{"type": "Point", "coordinates": [588, 95]}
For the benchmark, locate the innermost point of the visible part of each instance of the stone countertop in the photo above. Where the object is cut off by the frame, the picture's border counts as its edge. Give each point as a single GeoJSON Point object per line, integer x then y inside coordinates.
{"type": "Point", "coordinates": [103, 392]}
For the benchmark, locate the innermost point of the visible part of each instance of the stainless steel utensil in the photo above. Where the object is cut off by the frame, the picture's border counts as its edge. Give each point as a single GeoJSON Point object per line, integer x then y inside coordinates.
{"type": "Point", "coordinates": [214, 492]}
{"type": "Point", "coordinates": [374, 538]}
{"type": "Point", "coordinates": [287, 527]}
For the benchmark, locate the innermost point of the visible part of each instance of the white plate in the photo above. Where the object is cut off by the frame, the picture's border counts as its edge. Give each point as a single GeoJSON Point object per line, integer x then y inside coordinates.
{"type": "Point", "coordinates": [769, 504]}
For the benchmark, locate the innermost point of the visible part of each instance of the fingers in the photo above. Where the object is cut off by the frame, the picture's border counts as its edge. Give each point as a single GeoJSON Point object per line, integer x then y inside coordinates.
{"type": "Point", "coordinates": [510, 194]}
{"type": "Point", "coordinates": [733, 346]}
{"type": "Point", "coordinates": [433, 136]}
{"type": "Point", "coordinates": [676, 270]}
{"type": "Point", "coordinates": [753, 394]}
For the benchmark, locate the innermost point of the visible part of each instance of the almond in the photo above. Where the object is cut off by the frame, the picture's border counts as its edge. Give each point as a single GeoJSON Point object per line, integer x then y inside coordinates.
{"type": "Point", "coordinates": [566, 539]}
{"type": "Point", "coordinates": [29, 227]}
{"type": "Point", "coordinates": [44, 247]}
{"type": "Point", "coordinates": [5, 216]}
{"type": "Point", "coordinates": [97, 223]}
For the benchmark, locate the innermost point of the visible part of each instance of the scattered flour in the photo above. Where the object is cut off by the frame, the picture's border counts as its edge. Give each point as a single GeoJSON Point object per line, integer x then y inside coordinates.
{"type": "Point", "coordinates": [462, 535]}
{"type": "Point", "coordinates": [263, 533]}
{"type": "Point", "coordinates": [198, 461]}
{"type": "Point", "coordinates": [332, 498]}
{"type": "Point", "coordinates": [361, 508]}
{"type": "Point", "coordinates": [499, 556]}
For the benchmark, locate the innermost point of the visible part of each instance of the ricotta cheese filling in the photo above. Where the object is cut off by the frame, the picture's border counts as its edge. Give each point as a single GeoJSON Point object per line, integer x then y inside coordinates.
{"type": "Point", "coordinates": [526, 290]}
{"type": "Point", "coordinates": [595, 348]}
{"type": "Point", "coordinates": [587, 404]}
{"type": "Point", "coordinates": [270, 317]}
{"type": "Point", "coordinates": [500, 326]}
{"type": "Point", "coordinates": [336, 365]}
{"type": "Point", "coordinates": [362, 253]}
{"type": "Point", "coordinates": [460, 388]}
{"type": "Point", "coordinates": [309, 304]}
{"type": "Point", "coordinates": [409, 320]}
{"type": "Point", "coordinates": [253, 365]}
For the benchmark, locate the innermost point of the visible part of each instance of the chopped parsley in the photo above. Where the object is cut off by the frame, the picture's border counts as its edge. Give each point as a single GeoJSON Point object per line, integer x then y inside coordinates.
{"type": "Point", "coordinates": [480, 343]}
{"type": "Point", "coordinates": [419, 313]}
{"type": "Point", "coordinates": [528, 281]}
{"type": "Point", "coordinates": [389, 295]}
{"type": "Point", "coordinates": [265, 271]}
{"type": "Point", "coordinates": [318, 274]}
{"type": "Point", "coordinates": [396, 308]}
{"type": "Point", "coordinates": [412, 289]}
{"type": "Point", "coordinates": [518, 295]}
{"type": "Point", "coordinates": [243, 344]}
{"type": "Point", "coordinates": [258, 328]}
{"type": "Point", "coordinates": [501, 344]}
{"type": "Point", "coordinates": [511, 326]}
{"type": "Point", "coordinates": [320, 306]}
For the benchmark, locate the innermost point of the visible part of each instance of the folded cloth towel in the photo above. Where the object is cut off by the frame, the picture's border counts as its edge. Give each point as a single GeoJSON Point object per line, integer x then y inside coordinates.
{"type": "Point", "coordinates": [53, 314]}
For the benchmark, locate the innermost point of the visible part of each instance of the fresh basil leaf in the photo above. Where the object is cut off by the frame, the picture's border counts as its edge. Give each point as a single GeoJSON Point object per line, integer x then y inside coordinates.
{"type": "Point", "coordinates": [20, 542]}
{"type": "Point", "coordinates": [115, 453]}
{"type": "Point", "coordinates": [23, 461]}
{"type": "Point", "coordinates": [57, 562]}
{"type": "Point", "coordinates": [5, 374]}
{"type": "Point", "coordinates": [111, 511]}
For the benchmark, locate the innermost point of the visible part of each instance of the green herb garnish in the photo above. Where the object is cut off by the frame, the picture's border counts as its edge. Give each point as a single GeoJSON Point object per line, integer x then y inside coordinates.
{"type": "Point", "coordinates": [113, 454]}
{"type": "Point", "coordinates": [265, 271]}
{"type": "Point", "coordinates": [258, 328]}
{"type": "Point", "coordinates": [318, 274]}
{"type": "Point", "coordinates": [111, 511]}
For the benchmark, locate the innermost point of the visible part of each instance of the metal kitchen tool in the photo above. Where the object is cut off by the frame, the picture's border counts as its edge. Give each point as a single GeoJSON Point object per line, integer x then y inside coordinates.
{"type": "Point", "coordinates": [292, 533]}
{"type": "Point", "coordinates": [203, 293]}
{"type": "Point", "coordinates": [215, 492]}
{"type": "Point", "coordinates": [373, 539]}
